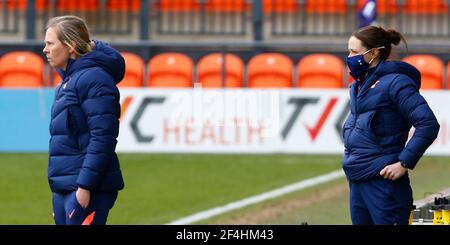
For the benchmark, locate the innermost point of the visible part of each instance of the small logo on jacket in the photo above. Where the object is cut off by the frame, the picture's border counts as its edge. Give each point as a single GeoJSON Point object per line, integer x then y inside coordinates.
{"type": "Point", "coordinates": [375, 84]}
{"type": "Point", "coordinates": [65, 82]}
{"type": "Point", "coordinates": [65, 85]}
{"type": "Point", "coordinates": [71, 213]}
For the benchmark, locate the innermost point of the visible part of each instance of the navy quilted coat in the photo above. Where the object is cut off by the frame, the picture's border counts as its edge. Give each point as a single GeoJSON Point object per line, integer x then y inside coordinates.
{"type": "Point", "coordinates": [85, 123]}
{"type": "Point", "coordinates": [387, 104]}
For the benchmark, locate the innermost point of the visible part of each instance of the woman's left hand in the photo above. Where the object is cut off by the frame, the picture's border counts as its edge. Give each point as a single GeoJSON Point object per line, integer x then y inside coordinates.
{"type": "Point", "coordinates": [83, 197]}
{"type": "Point", "coordinates": [393, 171]}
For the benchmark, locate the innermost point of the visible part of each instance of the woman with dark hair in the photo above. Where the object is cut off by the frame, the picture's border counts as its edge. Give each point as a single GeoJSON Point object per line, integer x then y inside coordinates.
{"type": "Point", "coordinates": [385, 103]}
{"type": "Point", "coordinates": [83, 168]}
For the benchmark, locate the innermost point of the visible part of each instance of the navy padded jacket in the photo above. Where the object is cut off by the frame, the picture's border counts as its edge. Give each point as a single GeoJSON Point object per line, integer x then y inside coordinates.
{"type": "Point", "coordinates": [85, 123]}
{"type": "Point", "coordinates": [387, 104]}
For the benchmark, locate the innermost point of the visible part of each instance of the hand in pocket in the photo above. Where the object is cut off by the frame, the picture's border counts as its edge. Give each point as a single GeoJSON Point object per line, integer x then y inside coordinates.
{"type": "Point", "coordinates": [83, 197]}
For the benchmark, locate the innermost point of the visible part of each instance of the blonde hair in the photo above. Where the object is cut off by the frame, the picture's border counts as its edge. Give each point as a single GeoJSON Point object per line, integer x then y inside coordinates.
{"type": "Point", "coordinates": [72, 30]}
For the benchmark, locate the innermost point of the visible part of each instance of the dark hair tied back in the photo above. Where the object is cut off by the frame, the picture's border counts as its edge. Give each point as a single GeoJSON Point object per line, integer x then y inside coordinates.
{"type": "Point", "coordinates": [376, 36]}
{"type": "Point", "coordinates": [393, 36]}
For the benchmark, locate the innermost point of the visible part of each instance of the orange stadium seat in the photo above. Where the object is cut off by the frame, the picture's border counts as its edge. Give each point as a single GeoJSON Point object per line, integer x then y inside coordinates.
{"type": "Point", "coordinates": [42, 4]}
{"type": "Point", "coordinates": [56, 78]}
{"type": "Point", "coordinates": [209, 71]}
{"type": "Point", "coordinates": [178, 5]}
{"type": "Point", "coordinates": [21, 69]}
{"type": "Point", "coordinates": [276, 6]}
{"type": "Point", "coordinates": [326, 6]}
{"type": "Point", "coordinates": [70, 5]}
{"type": "Point", "coordinates": [320, 71]}
{"type": "Point", "coordinates": [226, 5]}
{"type": "Point", "coordinates": [350, 79]}
{"type": "Point", "coordinates": [121, 5]}
{"type": "Point", "coordinates": [431, 68]}
{"type": "Point", "coordinates": [448, 75]}
{"type": "Point", "coordinates": [383, 6]}
{"type": "Point", "coordinates": [22, 4]}
{"type": "Point", "coordinates": [426, 6]}
{"type": "Point", "coordinates": [270, 70]}
{"type": "Point", "coordinates": [134, 73]}
{"type": "Point", "coordinates": [62, 4]}
{"type": "Point", "coordinates": [13, 4]}
{"type": "Point", "coordinates": [170, 70]}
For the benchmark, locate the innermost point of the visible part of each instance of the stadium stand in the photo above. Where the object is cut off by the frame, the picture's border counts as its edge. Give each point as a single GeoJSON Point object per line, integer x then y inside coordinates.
{"type": "Point", "coordinates": [274, 6]}
{"type": "Point", "coordinates": [63, 5]}
{"type": "Point", "coordinates": [383, 6]}
{"type": "Point", "coordinates": [170, 70]}
{"type": "Point", "coordinates": [270, 70]}
{"type": "Point", "coordinates": [210, 5]}
{"type": "Point", "coordinates": [320, 71]}
{"type": "Point", "coordinates": [79, 5]}
{"type": "Point", "coordinates": [171, 20]}
{"type": "Point", "coordinates": [55, 79]}
{"type": "Point", "coordinates": [426, 7]}
{"type": "Point", "coordinates": [22, 4]}
{"type": "Point", "coordinates": [199, 17]}
{"type": "Point", "coordinates": [446, 85]}
{"type": "Point", "coordinates": [120, 5]}
{"type": "Point", "coordinates": [349, 79]}
{"type": "Point", "coordinates": [326, 6]}
{"type": "Point", "coordinates": [210, 68]}
{"type": "Point", "coordinates": [134, 73]}
{"type": "Point", "coordinates": [226, 5]}
{"type": "Point", "coordinates": [431, 68]}
{"type": "Point", "coordinates": [178, 5]}
{"type": "Point", "coordinates": [21, 69]}
{"type": "Point", "coordinates": [13, 5]}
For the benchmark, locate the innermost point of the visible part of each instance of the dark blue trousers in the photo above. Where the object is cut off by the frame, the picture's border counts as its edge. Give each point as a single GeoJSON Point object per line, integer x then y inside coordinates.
{"type": "Point", "coordinates": [381, 202]}
{"type": "Point", "coordinates": [67, 210]}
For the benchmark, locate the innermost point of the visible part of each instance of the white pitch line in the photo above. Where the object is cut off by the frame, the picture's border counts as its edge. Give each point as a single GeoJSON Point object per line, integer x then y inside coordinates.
{"type": "Point", "coordinates": [259, 198]}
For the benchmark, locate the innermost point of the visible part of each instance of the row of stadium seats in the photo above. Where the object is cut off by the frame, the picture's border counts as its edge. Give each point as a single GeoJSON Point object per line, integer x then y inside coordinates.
{"type": "Point", "coordinates": [70, 5]}
{"type": "Point", "coordinates": [312, 6]}
{"type": "Point", "coordinates": [267, 70]}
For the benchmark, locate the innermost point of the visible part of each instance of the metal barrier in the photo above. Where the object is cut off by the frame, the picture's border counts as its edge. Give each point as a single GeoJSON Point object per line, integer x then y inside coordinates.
{"type": "Point", "coordinates": [9, 16]}
{"type": "Point", "coordinates": [103, 16]}
{"type": "Point", "coordinates": [307, 17]}
{"type": "Point", "coordinates": [302, 17]}
{"type": "Point", "coordinates": [202, 17]}
{"type": "Point", "coordinates": [262, 19]}
{"type": "Point", "coordinates": [419, 19]}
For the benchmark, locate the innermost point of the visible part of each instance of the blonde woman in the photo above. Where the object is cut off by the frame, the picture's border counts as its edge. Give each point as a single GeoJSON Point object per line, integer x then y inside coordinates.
{"type": "Point", "coordinates": [83, 168]}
